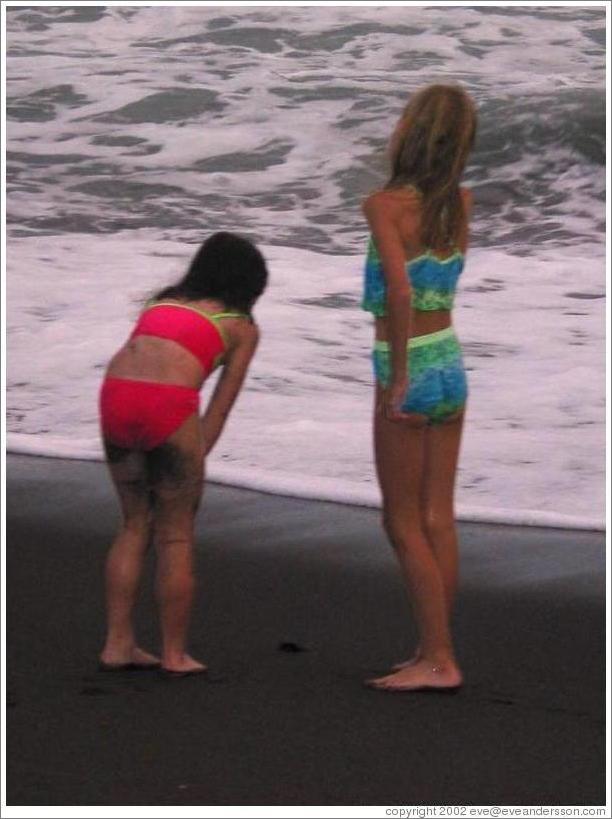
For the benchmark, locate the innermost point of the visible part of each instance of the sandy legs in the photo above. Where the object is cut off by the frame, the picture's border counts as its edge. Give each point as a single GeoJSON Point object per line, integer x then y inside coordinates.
{"type": "Point", "coordinates": [159, 493]}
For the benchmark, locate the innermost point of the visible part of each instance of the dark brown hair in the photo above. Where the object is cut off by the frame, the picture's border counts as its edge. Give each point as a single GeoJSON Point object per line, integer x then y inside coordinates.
{"type": "Point", "coordinates": [227, 267]}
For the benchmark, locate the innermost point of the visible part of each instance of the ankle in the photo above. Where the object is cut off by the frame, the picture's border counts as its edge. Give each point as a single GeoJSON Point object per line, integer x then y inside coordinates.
{"type": "Point", "coordinates": [173, 658]}
{"type": "Point", "coordinates": [442, 661]}
{"type": "Point", "coordinates": [118, 644]}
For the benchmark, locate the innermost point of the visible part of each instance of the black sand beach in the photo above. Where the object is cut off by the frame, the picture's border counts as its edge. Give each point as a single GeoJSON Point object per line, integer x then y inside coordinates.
{"type": "Point", "coordinates": [274, 725]}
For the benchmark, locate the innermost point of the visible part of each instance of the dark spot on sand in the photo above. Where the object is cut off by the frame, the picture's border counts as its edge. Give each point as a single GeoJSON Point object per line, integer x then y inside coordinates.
{"type": "Point", "coordinates": [291, 648]}
{"type": "Point", "coordinates": [95, 691]}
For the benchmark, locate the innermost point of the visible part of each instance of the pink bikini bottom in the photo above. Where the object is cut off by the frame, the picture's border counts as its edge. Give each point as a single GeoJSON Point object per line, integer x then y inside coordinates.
{"type": "Point", "coordinates": [143, 414]}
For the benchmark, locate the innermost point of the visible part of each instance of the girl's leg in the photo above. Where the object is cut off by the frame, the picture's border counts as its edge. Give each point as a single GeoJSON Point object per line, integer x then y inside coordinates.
{"type": "Point", "coordinates": [441, 457]}
{"type": "Point", "coordinates": [176, 471]}
{"type": "Point", "coordinates": [442, 444]}
{"type": "Point", "coordinates": [400, 459]}
{"type": "Point", "coordinates": [125, 558]}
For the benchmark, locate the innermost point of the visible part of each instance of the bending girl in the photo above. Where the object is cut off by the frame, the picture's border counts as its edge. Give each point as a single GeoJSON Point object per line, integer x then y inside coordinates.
{"type": "Point", "coordinates": [156, 443]}
{"type": "Point", "coordinates": [419, 235]}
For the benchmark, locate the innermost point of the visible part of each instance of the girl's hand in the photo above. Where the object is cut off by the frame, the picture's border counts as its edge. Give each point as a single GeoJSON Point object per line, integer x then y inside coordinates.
{"type": "Point", "coordinates": [393, 398]}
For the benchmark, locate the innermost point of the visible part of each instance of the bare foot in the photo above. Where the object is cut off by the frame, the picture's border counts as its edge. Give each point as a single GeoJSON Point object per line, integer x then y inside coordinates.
{"type": "Point", "coordinates": [135, 656]}
{"type": "Point", "coordinates": [184, 665]}
{"type": "Point", "coordinates": [422, 675]}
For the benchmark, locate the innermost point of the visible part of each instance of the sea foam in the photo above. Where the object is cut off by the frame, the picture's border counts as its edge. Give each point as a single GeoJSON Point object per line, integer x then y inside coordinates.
{"type": "Point", "coordinates": [534, 437]}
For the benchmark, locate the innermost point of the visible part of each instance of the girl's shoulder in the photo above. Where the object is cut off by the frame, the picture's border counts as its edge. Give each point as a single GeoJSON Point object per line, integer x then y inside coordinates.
{"type": "Point", "coordinates": [392, 200]}
{"type": "Point", "coordinates": [242, 333]}
{"type": "Point", "coordinates": [206, 306]}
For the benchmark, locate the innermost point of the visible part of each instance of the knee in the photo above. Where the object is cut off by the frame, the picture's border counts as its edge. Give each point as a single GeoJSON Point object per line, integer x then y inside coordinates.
{"type": "Point", "coordinates": [439, 527]}
{"type": "Point", "coordinates": [137, 527]}
{"type": "Point", "coordinates": [402, 529]}
{"type": "Point", "coordinates": [173, 542]}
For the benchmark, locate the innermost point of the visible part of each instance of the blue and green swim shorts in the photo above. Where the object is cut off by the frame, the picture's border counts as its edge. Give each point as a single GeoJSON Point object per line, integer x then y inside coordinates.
{"type": "Point", "coordinates": [438, 384]}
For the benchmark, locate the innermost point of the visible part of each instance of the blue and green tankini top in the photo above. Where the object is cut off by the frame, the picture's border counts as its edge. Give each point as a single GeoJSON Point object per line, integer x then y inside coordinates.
{"type": "Point", "coordinates": [433, 281]}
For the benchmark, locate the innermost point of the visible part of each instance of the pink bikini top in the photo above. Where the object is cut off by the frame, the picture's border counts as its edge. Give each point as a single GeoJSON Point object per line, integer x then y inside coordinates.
{"type": "Point", "coordinates": [196, 331]}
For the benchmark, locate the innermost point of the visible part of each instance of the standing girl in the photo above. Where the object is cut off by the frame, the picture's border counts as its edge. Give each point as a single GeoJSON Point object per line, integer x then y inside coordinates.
{"type": "Point", "coordinates": [419, 236]}
{"type": "Point", "coordinates": [156, 443]}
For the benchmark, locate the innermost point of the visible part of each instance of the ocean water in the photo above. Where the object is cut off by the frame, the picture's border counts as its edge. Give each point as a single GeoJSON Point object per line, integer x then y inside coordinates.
{"type": "Point", "coordinates": [135, 132]}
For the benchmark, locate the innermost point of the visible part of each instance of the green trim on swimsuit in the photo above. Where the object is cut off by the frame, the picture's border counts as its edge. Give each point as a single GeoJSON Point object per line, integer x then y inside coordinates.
{"type": "Point", "coordinates": [439, 349]}
{"type": "Point", "coordinates": [420, 341]}
{"type": "Point", "coordinates": [212, 317]}
{"type": "Point", "coordinates": [228, 314]}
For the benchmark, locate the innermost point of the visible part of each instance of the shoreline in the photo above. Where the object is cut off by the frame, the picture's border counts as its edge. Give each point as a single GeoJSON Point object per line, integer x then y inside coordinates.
{"type": "Point", "coordinates": [328, 490]}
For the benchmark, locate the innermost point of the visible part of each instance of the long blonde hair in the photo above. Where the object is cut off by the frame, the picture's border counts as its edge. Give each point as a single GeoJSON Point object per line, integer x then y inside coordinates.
{"type": "Point", "coordinates": [428, 151]}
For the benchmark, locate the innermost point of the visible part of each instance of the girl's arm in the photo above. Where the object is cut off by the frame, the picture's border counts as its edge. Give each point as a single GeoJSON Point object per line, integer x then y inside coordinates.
{"type": "Point", "coordinates": [228, 386]}
{"type": "Point", "coordinates": [383, 212]}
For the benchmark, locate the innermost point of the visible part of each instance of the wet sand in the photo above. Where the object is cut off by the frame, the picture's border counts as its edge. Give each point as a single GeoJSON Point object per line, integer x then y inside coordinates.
{"type": "Point", "coordinates": [299, 602]}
